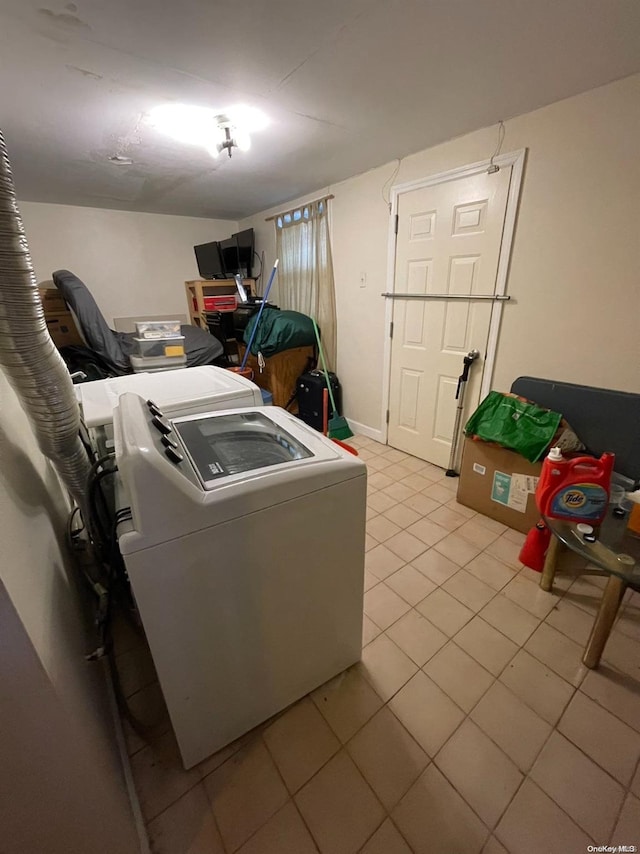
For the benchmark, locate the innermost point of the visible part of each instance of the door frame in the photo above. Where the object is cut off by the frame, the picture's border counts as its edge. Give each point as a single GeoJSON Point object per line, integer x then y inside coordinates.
{"type": "Point", "coordinates": [516, 160]}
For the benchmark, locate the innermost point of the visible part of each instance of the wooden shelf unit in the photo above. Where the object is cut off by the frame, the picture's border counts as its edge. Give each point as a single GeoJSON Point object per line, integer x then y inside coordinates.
{"type": "Point", "coordinates": [197, 289]}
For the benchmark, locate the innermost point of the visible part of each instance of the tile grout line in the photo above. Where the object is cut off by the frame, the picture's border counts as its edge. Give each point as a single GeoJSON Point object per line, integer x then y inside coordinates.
{"type": "Point", "coordinates": [257, 737]}
{"type": "Point", "coordinates": [389, 818]}
{"type": "Point", "coordinates": [562, 594]}
{"type": "Point", "coordinates": [554, 728]}
{"type": "Point", "coordinates": [213, 815]}
{"type": "Point", "coordinates": [525, 775]}
{"type": "Point", "coordinates": [291, 797]}
{"type": "Point", "coordinates": [466, 715]}
{"type": "Point", "coordinates": [624, 800]}
{"type": "Point", "coordinates": [148, 821]}
{"type": "Point", "coordinates": [469, 718]}
{"type": "Point", "coordinates": [342, 746]}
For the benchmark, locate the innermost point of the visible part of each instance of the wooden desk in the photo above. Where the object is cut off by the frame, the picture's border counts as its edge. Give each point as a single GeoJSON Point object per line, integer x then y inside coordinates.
{"type": "Point", "coordinates": [281, 372]}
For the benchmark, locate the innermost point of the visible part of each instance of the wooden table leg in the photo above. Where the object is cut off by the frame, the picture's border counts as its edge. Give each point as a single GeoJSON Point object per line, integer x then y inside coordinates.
{"type": "Point", "coordinates": [550, 561]}
{"type": "Point", "coordinates": [611, 598]}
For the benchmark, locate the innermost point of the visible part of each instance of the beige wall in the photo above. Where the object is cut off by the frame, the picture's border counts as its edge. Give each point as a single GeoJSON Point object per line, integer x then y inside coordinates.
{"type": "Point", "coordinates": [131, 262]}
{"type": "Point", "coordinates": [575, 310]}
{"type": "Point", "coordinates": [60, 773]}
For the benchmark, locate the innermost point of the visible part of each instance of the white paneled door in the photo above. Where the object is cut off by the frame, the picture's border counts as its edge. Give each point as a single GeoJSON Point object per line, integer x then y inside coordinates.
{"type": "Point", "coordinates": [448, 242]}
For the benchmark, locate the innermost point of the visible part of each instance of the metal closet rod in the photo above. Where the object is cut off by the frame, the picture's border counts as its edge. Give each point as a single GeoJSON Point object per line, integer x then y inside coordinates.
{"type": "Point", "coordinates": [494, 297]}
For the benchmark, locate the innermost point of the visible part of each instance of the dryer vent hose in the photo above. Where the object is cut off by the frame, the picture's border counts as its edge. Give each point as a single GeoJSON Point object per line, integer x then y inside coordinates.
{"type": "Point", "coordinates": [28, 356]}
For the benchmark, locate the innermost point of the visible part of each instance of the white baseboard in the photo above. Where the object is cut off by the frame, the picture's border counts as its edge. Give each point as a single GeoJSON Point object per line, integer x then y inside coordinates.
{"type": "Point", "coordinates": [364, 430]}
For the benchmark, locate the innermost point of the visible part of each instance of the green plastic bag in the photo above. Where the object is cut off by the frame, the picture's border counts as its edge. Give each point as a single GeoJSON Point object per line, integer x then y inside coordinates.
{"type": "Point", "coordinates": [279, 330]}
{"type": "Point", "coordinates": [515, 424]}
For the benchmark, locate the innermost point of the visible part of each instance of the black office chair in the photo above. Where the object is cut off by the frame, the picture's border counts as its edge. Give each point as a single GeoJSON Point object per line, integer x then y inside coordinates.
{"type": "Point", "coordinates": [115, 348]}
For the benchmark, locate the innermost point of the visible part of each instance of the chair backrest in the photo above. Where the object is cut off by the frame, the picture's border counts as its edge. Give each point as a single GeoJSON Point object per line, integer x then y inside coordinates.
{"type": "Point", "coordinates": [604, 419]}
{"type": "Point", "coordinates": [93, 326]}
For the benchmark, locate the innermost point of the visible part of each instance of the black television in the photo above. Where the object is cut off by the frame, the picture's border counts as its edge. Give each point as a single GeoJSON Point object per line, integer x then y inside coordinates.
{"type": "Point", "coordinates": [245, 250]}
{"type": "Point", "coordinates": [230, 259]}
{"type": "Point", "coordinates": [209, 258]}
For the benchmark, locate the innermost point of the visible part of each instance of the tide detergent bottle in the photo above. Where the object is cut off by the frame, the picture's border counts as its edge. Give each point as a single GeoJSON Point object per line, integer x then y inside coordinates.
{"type": "Point", "coordinates": [576, 490]}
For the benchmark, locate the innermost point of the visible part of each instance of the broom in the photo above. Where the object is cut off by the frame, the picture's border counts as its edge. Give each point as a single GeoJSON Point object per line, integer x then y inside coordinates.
{"type": "Point", "coordinates": [338, 426]}
{"type": "Point", "coordinates": [261, 309]}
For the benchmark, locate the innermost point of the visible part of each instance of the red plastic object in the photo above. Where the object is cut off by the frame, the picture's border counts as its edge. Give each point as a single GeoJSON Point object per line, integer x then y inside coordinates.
{"type": "Point", "coordinates": [346, 447]}
{"type": "Point", "coordinates": [244, 372]}
{"type": "Point", "coordinates": [576, 490]}
{"type": "Point", "coordinates": [223, 302]}
{"type": "Point", "coordinates": [535, 547]}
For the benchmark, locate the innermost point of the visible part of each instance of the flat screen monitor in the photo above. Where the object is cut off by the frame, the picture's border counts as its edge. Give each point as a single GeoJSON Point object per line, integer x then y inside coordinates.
{"type": "Point", "coordinates": [245, 250]}
{"type": "Point", "coordinates": [230, 260]}
{"type": "Point", "coordinates": [209, 260]}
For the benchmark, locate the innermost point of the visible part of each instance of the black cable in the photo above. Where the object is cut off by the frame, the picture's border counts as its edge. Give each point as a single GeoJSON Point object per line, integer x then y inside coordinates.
{"type": "Point", "coordinates": [259, 276]}
{"type": "Point", "coordinates": [101, 461]}
{"type": "Point", "coordinates": [71, 534]}
{"type": "Point", "coordinates": [97, 526]}
{"type": "Point", "coordinates": [116, 587]}
{"type": "Point", "coordinates": [120, 593]}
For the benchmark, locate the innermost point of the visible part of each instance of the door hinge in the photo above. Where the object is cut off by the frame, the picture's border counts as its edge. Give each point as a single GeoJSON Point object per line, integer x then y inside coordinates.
{"type": "Point", "coordinates": [395, 227]}
{"type": "Point", "coordinates": [391, 329]}
{"type": "Point", "coordinates": [387, 416]}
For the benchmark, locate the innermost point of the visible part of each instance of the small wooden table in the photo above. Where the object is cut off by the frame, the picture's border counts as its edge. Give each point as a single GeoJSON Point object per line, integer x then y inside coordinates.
{"type": "Point", "coordinates": [280, 372]}
{"type": "Point", "coordinates": [615, 554]}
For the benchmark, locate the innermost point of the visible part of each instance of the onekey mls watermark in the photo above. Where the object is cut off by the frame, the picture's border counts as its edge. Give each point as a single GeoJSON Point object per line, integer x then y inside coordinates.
{"type": "Point", "coordinates": [611, 849]}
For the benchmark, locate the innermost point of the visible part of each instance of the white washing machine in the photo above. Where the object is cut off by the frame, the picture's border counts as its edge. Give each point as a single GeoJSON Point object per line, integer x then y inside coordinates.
{"type": "Point", "coordinates": [246, 559]}
{"type": "Point", "coordinates": [183, 391]}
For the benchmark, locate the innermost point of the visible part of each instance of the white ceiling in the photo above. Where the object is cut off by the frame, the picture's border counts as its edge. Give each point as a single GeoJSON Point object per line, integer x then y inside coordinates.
{"type": "Point", "coordinates": [347, 84]}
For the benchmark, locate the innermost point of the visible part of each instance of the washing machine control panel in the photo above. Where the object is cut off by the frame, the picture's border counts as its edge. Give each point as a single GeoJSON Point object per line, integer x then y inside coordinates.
{"type": "Point", "coordinates": [173, 455]}
{"type": "Point", "coordinates": [154, 409]}
{"type": "Point", "coordinates": [161, 424]}
{"type": "Point", "coordinates": [163, 430]}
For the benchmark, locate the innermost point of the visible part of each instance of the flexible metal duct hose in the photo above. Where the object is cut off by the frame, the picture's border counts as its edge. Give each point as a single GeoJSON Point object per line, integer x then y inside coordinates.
{"type": "Point", "coordinates": [28, 356]}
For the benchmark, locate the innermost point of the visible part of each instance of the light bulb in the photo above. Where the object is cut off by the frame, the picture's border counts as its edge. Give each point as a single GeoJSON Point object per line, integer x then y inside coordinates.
{"type": "Point", "coordinates": [201, 126]}
{"type": "Point", "coordinates": [242, 139]}
{"type": "Point", "coordinates": [191, 125]}
{"type": "Point", "coordinates": [248, 118]}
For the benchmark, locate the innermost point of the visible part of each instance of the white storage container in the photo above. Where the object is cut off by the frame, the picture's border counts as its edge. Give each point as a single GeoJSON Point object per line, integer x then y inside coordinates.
{"type": "Point", "coordinates": [158, 328]}
{"type": "Point", "coordinates": [168, 348]}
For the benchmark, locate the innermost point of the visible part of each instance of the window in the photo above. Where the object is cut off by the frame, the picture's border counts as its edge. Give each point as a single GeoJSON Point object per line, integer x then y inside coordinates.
{"type": "Point", "coordinates": [306, 268]}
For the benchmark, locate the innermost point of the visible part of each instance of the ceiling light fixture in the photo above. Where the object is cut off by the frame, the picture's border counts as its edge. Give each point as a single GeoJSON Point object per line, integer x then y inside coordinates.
{"type": "Point", "coordinates": [216, 132]}
{"type": "Point", "coordinates": [228, 137]}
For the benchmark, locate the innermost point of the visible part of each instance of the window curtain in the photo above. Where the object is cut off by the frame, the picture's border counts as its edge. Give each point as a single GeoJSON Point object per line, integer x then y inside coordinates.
{"type": "Point", "coordinates": [305, 274]}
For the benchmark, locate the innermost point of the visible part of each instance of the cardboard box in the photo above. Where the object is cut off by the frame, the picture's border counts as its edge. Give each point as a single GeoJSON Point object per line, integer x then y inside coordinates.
{"type": "Point", "coordinates": [500, 484]}
{"type": "Point", "coordinates": [52, 301]}
{"type": "Point", "coordinates": [63, 330]}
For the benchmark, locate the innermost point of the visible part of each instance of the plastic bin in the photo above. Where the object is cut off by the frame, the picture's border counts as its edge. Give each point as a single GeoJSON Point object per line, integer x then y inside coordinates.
{"type": "Point", "coordinates": [164, 347]}
{"type": "Point", "coordinates": [140, 364]}
{"type": "Point", "coordinates": [157, 329]}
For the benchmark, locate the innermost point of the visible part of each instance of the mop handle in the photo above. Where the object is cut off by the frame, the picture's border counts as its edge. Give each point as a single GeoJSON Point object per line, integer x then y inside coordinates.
{"type": "Point", "coordinates": [324, 368]}
{"type": "Point", "coordinates": [262, 305]}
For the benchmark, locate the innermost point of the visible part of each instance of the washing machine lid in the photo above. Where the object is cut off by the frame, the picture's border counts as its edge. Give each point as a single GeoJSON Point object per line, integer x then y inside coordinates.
{"type": "Point", "coordinates": [221, 446]}
{"type": "Point", "coordinates": [183, 390]}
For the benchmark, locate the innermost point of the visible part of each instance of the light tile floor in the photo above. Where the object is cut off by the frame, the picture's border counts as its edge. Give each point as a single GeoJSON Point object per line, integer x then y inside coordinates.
{"type": "Point", "coordinates": [469, 725]}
